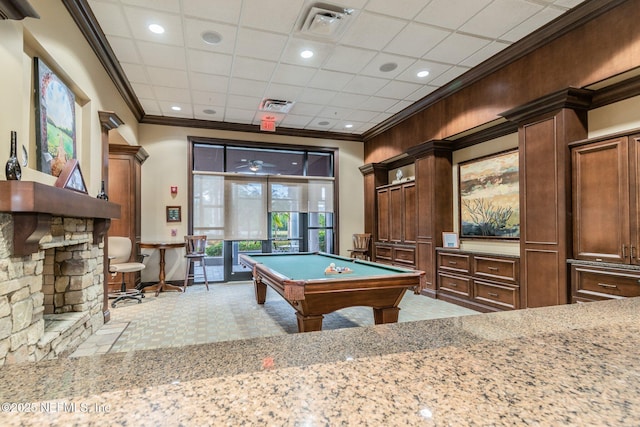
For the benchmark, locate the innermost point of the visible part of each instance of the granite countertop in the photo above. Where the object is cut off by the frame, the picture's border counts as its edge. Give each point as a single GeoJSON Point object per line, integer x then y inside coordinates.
{"type": "Point", "coordinates": [567, 365]}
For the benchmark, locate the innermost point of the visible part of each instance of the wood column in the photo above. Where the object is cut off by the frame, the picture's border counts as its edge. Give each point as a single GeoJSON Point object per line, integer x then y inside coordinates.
{"type": "Point", "coordinates": [545, 128]}
{"type": "Point", "coordinates": [108, 121]}
{"type": "Point", "coordinates": [434, 204]}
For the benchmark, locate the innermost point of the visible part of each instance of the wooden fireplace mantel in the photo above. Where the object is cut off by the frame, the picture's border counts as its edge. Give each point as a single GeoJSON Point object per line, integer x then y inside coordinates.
{"type": "Point", "coordinates": [33, 204]}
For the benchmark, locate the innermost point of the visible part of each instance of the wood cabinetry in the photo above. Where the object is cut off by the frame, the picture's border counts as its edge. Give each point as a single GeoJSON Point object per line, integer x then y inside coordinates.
{"type": "Point", "coordinates": [606, 217]}
{"type": "Point", "coordinates": [605, 200]}
{"type": "Point", "coordinates": [479, 281]}
{"type": "Point", "coordinates": [396, 237]}
{"type": "Point", "coordinates": [125, 174]}
{"type": "Point", "coordinates": [594, 283]}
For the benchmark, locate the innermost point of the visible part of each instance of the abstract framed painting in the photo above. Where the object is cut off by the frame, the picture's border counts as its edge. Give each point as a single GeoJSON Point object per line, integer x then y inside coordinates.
{"type": "Point", "coordinates": [489, 198]}
{"type": "Point", "coordinates": [55, 121]}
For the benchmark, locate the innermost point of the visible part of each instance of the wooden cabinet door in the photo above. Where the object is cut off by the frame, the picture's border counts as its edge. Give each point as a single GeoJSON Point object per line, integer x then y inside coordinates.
{"type": "Point", "coordinates": [396, 210]}
{"type": "Point", "coordinates": [601, 201]}
{"type": "Point", "coordinates": [409, 212]}
{"type": "Point", "coordinates": [634, 201]}
{"type": "Point", "coordinates": [383, 215]}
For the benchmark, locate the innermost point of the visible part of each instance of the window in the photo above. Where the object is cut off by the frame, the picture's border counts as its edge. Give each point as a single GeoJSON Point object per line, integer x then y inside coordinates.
{"type": "Point", "coordinates": [281, 197]}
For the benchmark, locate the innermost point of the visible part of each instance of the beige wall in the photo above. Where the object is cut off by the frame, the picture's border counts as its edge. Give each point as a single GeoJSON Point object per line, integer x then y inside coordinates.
{"type": "Point", "coordinates": [167, 166]}
{"type": "Point", "coordinates": [70, 57]}
{"type": "Point", "coordinates": [621, 116]}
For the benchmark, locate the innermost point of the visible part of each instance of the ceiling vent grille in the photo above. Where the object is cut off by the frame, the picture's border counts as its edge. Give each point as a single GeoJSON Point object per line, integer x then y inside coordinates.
{"type": "Point", "coordinates": [325, 21]}
{"type": "Point", "coordinates": [276, 106]}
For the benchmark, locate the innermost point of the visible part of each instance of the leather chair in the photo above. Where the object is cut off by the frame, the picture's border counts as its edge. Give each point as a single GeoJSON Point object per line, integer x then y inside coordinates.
{"type": "Point", "coordinates": [119, 254]}
{"type": "Point", "coordinates": [361, 246]}
{"type": "Point", "coordinates": [195, 247]}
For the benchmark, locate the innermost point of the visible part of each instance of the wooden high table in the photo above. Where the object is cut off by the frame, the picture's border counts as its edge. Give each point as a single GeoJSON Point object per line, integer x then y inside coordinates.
{"type": "Point", "coordinates": [162, 248]}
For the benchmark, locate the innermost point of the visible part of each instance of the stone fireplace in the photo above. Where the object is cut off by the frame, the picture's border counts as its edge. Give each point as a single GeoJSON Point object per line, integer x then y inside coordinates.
{"type": "Point", "coordinates": [52, 267]}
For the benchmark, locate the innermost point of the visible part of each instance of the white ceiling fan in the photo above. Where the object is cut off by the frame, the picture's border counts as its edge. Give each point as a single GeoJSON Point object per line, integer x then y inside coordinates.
{"type": "Point", "coordinates": [254, 165]}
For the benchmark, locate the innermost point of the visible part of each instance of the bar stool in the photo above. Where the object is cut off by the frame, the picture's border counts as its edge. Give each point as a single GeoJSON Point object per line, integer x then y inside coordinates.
{"type": "Point", "coordinates": [195, 247]}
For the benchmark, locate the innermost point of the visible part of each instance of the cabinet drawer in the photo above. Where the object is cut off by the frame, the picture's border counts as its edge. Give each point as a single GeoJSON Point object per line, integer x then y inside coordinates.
{"type": "Point", "coordinates": [454, 284]}
{"type": "Point", "coordinates": [405, 256]}
{"type": "Point", "coordinates": [384, 253]}
{"type": "Point", "coordinates": [494, 293]}
{"type": "Point", "coordinates": [501, 269]}
{"type": "Point", "coordinates": [590, 283]}
{"type": "Point", "coordinates": [459, 263]}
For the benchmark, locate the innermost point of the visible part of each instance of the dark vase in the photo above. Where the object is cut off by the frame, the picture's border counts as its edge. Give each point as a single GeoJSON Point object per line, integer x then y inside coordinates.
{"type": "Point", "coordinates": [102, 195]}
{"type": "Point", "coordinates": [12, 169]}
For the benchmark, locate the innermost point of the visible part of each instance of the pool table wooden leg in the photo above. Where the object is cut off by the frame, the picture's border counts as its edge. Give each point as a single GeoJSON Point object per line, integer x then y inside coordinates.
{"type": "Point", "coordinates": [385, 315]}
{"type": "Point", "coordinates": [309, 323]}
{"type": "Point", "coordinates": [260, 290]}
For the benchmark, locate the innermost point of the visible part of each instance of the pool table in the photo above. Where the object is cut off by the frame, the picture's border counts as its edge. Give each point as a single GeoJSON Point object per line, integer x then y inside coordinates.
{"type": "Point", "coordinates": [301, 280]}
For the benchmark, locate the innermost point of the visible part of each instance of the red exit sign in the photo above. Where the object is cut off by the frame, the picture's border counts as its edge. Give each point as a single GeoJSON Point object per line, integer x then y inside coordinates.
{"type": "Point", "coordinates": [268, 125]}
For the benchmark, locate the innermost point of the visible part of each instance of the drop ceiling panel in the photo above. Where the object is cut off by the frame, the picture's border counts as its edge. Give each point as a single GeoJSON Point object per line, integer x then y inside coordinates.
{"type": "Point", "coordinates": [405, 9]}
{"type": "Point", "coordinates": [195, 28]}
{"type": "Point", "coordinates": [140, 19]}
{"type": "Point", "coordinates": [209, 63]}
{"type": "Point", "coordinates": [278, 16]}
{"type": "Point", "coordinates": [456, 48]}
{"type": "Point", "coordinates": [348, 59]}
{"type": "Point", "coordinates": [260, 44]}
{"type": "Point", "coordinates": [504, 15]}
{"type": "Point", "coordinates": [451, 14]}
{"type": "Point", "coordinates": [164, 5]}
{"type": "Point", "coordinates": [137, 73]}
{"type": "Point", "coordinates": [416, 39]}
{"type": "Point", "coordinates": [371, 31]}
{"type": "Point", "coordinates": [166, 77]}
{"type": "Point", "coordinates": [158, 55]}
{"type": "Point", "coordinates": [253, 69]}
{"type": "Point", "coordinates": [214, 10]}
{"type": "Point", "coordinates": [259, 54]}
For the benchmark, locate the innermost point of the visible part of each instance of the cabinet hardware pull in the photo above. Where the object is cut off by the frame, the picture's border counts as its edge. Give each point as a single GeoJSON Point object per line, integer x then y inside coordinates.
{"type": "Point", "coordinates": [453, 262]}
{"type": "Point", "coordinates": [605, 285]}
{"type": "Point", "coordinates": [453, 284]}
{"type": "Point", "coordinates": [492, 294]}
{"type": "Point", "coordinates": [493, 268]}
{"type": "Point", "coordinates": [633, 250]}
{"type": "Point", "coordinates": [624, 251]}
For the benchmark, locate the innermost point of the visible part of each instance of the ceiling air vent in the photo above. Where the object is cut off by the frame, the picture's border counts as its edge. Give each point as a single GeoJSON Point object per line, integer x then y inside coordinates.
{"type": "Point", "coordinates": [325, 21]}
{"type": "Point", "coordinates": [276, 106]}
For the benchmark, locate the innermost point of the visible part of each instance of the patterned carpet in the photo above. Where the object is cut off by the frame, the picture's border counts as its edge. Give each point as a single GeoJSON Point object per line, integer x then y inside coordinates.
{"type": "Point", "coordinates": [228, 311]}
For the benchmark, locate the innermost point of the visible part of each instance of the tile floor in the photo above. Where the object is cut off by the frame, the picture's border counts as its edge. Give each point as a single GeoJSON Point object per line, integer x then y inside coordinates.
{"type": "Point", "coordinates": [228, 311]}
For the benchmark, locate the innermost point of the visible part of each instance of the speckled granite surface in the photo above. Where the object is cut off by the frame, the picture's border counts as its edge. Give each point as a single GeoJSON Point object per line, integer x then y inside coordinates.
{"type": "Point", "coordinates": [571, 365]}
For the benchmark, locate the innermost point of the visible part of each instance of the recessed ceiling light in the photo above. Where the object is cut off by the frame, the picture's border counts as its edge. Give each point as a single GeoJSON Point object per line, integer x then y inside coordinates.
{"type": "Point", "coordinates": [209, 111]}
{"type": "Point", "coordinates": [156, 29]}
{"type": "Point", "coordinates": [306, 54]}
{"type": "Point", "coordinates": [348, 126]}
{"type": "Point", "coordinates": [323, 123]}
{"type": "Point", "coordinates": [211, 37]}
{"type": "Point", "coordinates": [176, 108]}
{"type": "Point", "coordinates": [389, 66]}
{"type": "Point", "coordinates": [423, 73]}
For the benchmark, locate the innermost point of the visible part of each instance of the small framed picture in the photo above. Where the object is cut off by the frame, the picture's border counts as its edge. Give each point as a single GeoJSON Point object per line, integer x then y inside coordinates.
{"type": "Point", "coordinates": [450, 240]}
{"type": "Point", "coordinates": [71, 177]}
{"type": "Point", "coordinates": [174, 214]}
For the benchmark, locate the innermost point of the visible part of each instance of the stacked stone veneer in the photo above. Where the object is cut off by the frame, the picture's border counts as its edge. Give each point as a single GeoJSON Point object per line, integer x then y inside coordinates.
{"type": "Point", "coordinates": [50, 301]}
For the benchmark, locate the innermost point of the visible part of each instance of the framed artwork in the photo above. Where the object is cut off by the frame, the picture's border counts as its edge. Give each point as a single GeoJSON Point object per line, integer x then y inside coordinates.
{"type": "Point", "coordinates": [489, 197]}
{"type": "Point", "coordinates": [71, 177]}
{"type": "Point", "coordinates": [450, 240]}
{"type": "Point", "coordinates": [55, 120]}
{"type": "Point", "coordinates": [174, 214]}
